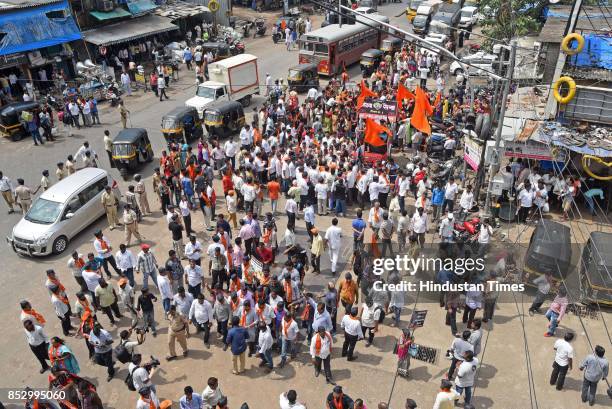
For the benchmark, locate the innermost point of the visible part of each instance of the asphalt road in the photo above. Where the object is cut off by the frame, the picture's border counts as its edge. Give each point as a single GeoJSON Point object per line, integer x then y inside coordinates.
{"type": "Point", "coordinates": [502, 381]}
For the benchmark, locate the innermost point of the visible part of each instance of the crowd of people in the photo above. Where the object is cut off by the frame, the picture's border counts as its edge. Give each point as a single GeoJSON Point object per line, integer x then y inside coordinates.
{"type": "Point", "coordinates": [238, 274]}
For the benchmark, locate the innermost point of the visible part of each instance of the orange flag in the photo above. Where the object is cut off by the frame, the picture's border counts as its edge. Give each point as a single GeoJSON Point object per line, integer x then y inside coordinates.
{"type": "Point", "coordinates": [372, 133]}
{"type": "Point", "coordinates": [422, 109]}
{"type": "Point", "coordinates": [438, 99]}
{"type": "Point", "coordinates": [365, 92]}
{"type": "Point", "coordinates": [403, 93]}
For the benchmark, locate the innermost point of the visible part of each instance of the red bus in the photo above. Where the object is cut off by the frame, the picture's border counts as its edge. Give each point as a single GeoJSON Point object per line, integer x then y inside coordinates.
{"type": "Point", "coordinates": [333, 47]}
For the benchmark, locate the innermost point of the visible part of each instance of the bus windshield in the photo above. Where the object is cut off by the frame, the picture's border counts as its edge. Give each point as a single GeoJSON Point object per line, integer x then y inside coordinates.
{"type": "Point", "coordinates": [321, 49]}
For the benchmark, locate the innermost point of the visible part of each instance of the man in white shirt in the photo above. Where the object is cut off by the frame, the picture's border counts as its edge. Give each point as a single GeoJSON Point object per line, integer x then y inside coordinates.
{"type": "Point", "coordinates": [322, 191]}
{"type": "Point", "coordinates": [333, 241]}
{"type": "Point", "coordinates": [183, 301]}
{"type": "Point", "coordinates": [466, 202]}
{"type": "Point", "coordinates": [62, 308]}
{"type": "Point", "coordinates": [446, 228]}
{"type": "Point", "coordinates": [375, 217]}
{"type": "Point", "coordinates": [289, 331]}
{"type": "Point", "coordinates": [201, 315]}
{"type": "Point", "coordinates": [564, 358]}
{"type": "Point", "coordinates": [193, 250]}
{"type": "Point", "coordinates": [246, 137]}
{"type": "Point", "coordinates": [370, 315]}
{"type": "Point", "coordinates": [126, 263]}
{"type": "Point", "coordinates": [264, 346]}
{"type": "Point", "coordinates": [450, 193]}
{"type": "Point", "coordinates": [465, 376]}
{"type": "Point", "coordinates": [165, 289]}
{"type": "Point", "coordinates": [352, 333]}
{"type": "Point", "coordinates": [374, 190]}
{"type": "Point", "coordinates": [484, 237]}
{"type": "Point", "coordinates": [291, 208]}
{"type": "Point", "coordinates": [445, 399]}
{"type": "Point", "coordinates": [193, 278]}
{"type": "Point", "coordinates": [418, 225]}
{"type": "Point", "coordinates": [525, 198]}
{"type": "Point", "coordinates": [230, 148]}
{"type": "Point", "coordinates": [288, 400]}
{"type": "Point", "coordinates": [320, 351]}
{"type": "Point", "coordinates": [38, 342]}
{"type": "Point", "coordinates": [403, 185]}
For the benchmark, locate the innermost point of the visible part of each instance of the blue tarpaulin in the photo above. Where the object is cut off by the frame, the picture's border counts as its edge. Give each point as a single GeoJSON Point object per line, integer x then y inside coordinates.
{"type": "Point", "coordinates": [138, 7]}
{"type": "Point", "coordinates": [597, 52]}
{"type": "Point", "coordinates": [37, 27]}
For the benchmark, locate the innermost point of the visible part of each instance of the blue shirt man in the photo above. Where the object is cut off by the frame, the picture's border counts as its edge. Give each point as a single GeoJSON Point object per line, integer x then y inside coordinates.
{"type": "Point", "coordinates": [437, 196]}
{"type": "Point", "coordinates": [321, 318]}
{"type": "Point", "coordinates": [190, 400]}
{"type": "Point", "coordinates": [187, 55]}
{"type": "Point", "coordinates": [359, 226]}
{"type": "Point", "coordinates": [237, 337]}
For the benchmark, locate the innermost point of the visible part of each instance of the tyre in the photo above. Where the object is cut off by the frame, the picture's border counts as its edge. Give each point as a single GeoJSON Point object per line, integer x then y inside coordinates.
{"type": "Point", "coordinates": [149, 156]}
{"type": "Point", "coordinates": [246, 101]}
{"type": "Point", "coordinates": [60, 244]}
{"type": "Point", "coordinates": [124, 173]}
{"type": "Point", "coordinates": [16, 137]}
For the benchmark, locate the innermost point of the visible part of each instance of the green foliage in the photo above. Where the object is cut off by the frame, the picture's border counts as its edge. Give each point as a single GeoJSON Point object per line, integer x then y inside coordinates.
{"type": "Point", "coordinates": [511, 18]}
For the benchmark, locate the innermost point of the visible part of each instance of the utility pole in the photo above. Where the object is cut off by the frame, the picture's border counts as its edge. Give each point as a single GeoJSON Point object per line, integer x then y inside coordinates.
{"type": "Point", "coordinates": [339, 13]}
{"type": "Point", "coordinates": [495, 158]}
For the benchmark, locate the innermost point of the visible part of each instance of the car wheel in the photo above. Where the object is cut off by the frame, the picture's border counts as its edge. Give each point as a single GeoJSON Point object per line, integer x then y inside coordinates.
{"type": "Point", "coordinates": [246, 101]}
{"type": "Point", "coordinates": [16, 137]}
{"type": "Point", "coordinates": [60, 244]}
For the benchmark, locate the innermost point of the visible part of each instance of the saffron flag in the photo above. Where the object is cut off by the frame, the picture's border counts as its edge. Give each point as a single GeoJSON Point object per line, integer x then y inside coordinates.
{"type": "Point", "coordinates": [365, 92]}
{"type": "Point", "coordinates": [372, 133]}
{"type": "Point", "coordinates": [403, 93]}
{"type": "Point", "coordinates": [422, 109]}
{"type": "Point", "coordinates": [438, 99]}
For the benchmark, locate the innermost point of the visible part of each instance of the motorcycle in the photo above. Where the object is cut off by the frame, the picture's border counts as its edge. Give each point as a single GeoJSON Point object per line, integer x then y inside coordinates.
{"type": "Point", "coordinates": [467, 231]}
{"type": "Point", "coordinates": [236, 47]}
{"type": "Point", "coordinates": [53, 102]}
{"type": "Point", "coordinates": [260, 27]}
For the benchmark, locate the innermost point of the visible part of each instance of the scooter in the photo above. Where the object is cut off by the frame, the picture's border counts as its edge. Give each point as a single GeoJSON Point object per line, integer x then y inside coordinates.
{"type": "Point", "coordinates": [260, 28]}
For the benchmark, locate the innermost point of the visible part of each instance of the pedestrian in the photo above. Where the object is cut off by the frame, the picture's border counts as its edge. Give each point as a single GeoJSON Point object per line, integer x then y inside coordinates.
{"type": "Point", "coordinates": [543, 282]}
{"type": "Point", "coordinates": [556, 311]}
{"type": "Point", "coordinates": [264, 346]}
{"type": "Point", "coordinates": [370, 316]}
{"type": "Point", "coordinates": [106, 299]}
{"type": "Point", "coordinates": [564, 359]}
{"type": "Point", "coordinates": [288, 400]}
{"type": "Point", "coordinates": [102, 341]}
{"type": "Point", "coordinates": [126, 263]}
{"type": "Point", "coordinates": [141, 192]}
{"type": "Point", "coordinates": [237, 338]}
{"type": "Point", "coordinates": [165, 289]}
{"type": "Point", "coordinates": [147, 265]}
{"type": "Point", "coordinates": [445, 399]}
{"type": "Point", "coordinates": [105, 253]}
{"type": "Point", "coordinates": [62, 308]}
{"type": "Point", "coordinates": [130, 224]}
{"type": "Point", "coordinates": [333, 242]}
{"type": "Point", "coordinates": [126, 83]}
{"type": "Point", "coordinates": [595, 368]}
{"type": "Point", "coordinates": [23, 196]}
{"type": "Point", "coordinates": [178, 330]}
{"type": "Point", "coordinates": [148, 399]}
{"type": "Point", "coordinates": [110, 204]}
{"type": "Point", "coordinates": [212, 394]}
{"type": "Point", "coordinates": [320, 352]}
{"type": "Point", "coordinates": [38, 342]}
{"type": "Point", "coordinates": [289, 332]}
{"type": "Point", "coordinates": [161, 88]}
{"type": "Point", "coordinates": [352, 333]}
{"type": "Point", "coordinates": [338, 399]}
{"type": "Point", "coordinates": [8, 192]}
{"type": "Point", "coordinates": [457, 351]}
{"type": "Point", "coordinates": [348, 293]}
{"type": "Point", "coordinates": [190, 400]}
{"type": "Point", "coordinates": [62, 357]}
{"type": "Point", "coordinates": [316, 249]}
{"type": "Point", "coordinates": [145, 304]}
{"type": "Point", "coordinates": [193, 250]}
{"type": "Point", "coordinates": [123, 113]}
{"type": "Point", "coordinates": [201, 316]}
{"type": "Point", "coordinates": [194, 278]}
{"type": "Point", "coordinates": [176, 228]}
{"type": "Point", "coordinates": [465, 376]}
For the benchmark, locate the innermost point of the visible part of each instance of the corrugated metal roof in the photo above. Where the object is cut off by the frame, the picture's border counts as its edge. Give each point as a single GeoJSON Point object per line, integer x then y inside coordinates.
{"type": "Point", "coordinates": [21, 4]}
{"type": "Point", "coordinates": [181, 9]}
{"type": "Point", "coordinates": [590, 19]}
{"type": "Point", "coordinates": [129, 30]}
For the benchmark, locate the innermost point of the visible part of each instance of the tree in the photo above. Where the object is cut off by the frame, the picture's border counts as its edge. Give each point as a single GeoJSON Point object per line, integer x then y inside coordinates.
{"type": "Point", "coordinates": [505, 19]}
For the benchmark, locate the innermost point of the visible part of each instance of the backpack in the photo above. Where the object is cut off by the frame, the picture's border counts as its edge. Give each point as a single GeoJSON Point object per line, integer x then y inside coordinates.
{"type": "Point", "coordinates": [122, 354]}
{"type": "Point", "coordinates": [129, 381]}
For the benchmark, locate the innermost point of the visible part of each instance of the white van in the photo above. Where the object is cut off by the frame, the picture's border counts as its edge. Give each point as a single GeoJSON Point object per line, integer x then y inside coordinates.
{"type": "Point", "coordinates": [61, 212]}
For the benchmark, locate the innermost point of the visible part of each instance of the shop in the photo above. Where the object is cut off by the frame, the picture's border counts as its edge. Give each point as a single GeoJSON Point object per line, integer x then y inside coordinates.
{"type": "Point", "coordinates": [185, 15]}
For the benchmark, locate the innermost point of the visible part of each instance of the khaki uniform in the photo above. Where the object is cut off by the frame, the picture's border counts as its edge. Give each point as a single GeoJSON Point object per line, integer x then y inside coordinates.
{"type": "Point", "coordinates": [109, 201]}
{"type": "Point", "coordinates": [130, 222]}
{"type": "Point", "coordinates": [24, 197]}
{"type": "Point", "coordinates": [142, 197]}
{"type": "Point", "coordinates": [177, 331]}
{"type": "Point", "coordinates": [61, 173]}
{"type": "Point", "coordinates": [156, 183]}
{"type": "Point", "coordinates": [69, 166]}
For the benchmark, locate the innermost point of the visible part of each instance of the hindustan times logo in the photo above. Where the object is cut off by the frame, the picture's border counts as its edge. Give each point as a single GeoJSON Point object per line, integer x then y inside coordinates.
{"type": "Point", "coordinates": [410, 265]}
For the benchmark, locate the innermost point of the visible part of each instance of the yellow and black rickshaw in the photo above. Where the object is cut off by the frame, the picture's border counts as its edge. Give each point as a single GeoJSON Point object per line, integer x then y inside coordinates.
{"type": "Point", "coordinates": [181, 125]}
{"type": "Point", "coordinates": [220, 50]}
{"type": "Point", "coordinates": [595, 268]}
{"type": "Point", "coordinates": [549, 251]}
{"type": "Point", "coordinates": [10, 119]}
{"type": "Point", "coordinates": [223, 118]}
{"type": "Point", "coordinates": [370, 60]}
{"type": "Point", "coordinates": [391, 45]}
{"type": "Point", "coordinates": [302, 77]}
{"type": "Point", "coordinates": [131, 147]}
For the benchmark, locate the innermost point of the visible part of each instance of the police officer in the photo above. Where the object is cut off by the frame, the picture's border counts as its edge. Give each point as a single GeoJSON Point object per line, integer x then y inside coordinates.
{"type": "Point", "coordinates": [130, 198]}
{"type": "Point", "coordinates": [109, 201]}
{"type": "Point", "coordinates": [142, 195]}
{"type": "Point", "coordinates": [23, 196]}
{"type": "Point", "coordinates": [130, 222]}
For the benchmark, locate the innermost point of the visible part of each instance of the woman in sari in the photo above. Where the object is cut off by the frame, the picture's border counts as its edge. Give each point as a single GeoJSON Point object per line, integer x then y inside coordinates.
{"type": "Point", "coordinates": [403, 352]}
{"type": "Point", "coordinates": [61, 356]}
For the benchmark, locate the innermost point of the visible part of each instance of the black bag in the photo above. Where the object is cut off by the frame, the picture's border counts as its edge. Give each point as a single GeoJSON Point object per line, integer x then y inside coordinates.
{"type": "Point", "coordinates": [129, 381]}
{"type": "Point", "coordinates": [122, 354]}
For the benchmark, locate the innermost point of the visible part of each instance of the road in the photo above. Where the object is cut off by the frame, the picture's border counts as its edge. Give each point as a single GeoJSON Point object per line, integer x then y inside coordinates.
{"type": "Point", "coordinates": [502, 380]}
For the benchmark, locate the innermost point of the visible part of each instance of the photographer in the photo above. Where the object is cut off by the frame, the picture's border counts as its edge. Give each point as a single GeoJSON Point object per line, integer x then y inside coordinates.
{"type": "Point", "coordinates": [124, 352]}
{"type": "Point", "coordinates": [142, 372]}
{"type": "Point", "coordinates": [102, 340]}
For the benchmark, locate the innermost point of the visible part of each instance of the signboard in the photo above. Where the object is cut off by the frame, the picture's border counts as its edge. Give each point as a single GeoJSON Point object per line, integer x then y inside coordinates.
{"type": "Point", "coordinates": [141, 80]}
{"type": "Point", "coordinates": [378, 110]}
{"type": "Point", "coordinates": [471, 153]}
{"type": "Point", "coordinates": [418, 318]}
{"type": "Point", "coordinates": [531, 150]}
{"type": "Point", "coordinates": [11, 60]}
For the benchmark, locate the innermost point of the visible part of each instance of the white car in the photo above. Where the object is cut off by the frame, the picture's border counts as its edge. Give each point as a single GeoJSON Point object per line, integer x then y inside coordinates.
{"type": "Point", "coordinates": [469, 16]}
{"type": "Point", "coordinates": [480, 63]}
{"type": "Point", "coordinates": [437, 38]}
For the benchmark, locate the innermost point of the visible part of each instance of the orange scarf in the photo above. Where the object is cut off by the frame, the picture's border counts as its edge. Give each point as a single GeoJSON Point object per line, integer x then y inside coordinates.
{"type": "Point", "coordinates": [288, 292]}
{"type": "Point", "coordinates": [234, 305]}
{"type": "Point", "coordinates": [338, 402]}
{"type": "Point", "coordinates": [35, 314]}
{"type": "Point", "coordinates": [286, 325]}
{"type": "Point", "coordinates": [103, 244]}
{"type": "Point", "coordinates": [57, 283]}
{"type": "Point", "coordinates": [86, 318]}
{"type": "Point", "coordinates": [260, 312]}
{"type": "Point", "coordinates": [235, 285]}
{"type": "Point", "coordinates": [54, 354]}
{"type": "Point", "coordinates": [63, 299]}
{"type": "Point", "coordinates": [306, 312]}
{"type": "Point", "coordinates": [248, 276]}
{"type": "Point", "coordinates": [224, 240]}
{"type": "Point", "coordinates": [85, 305]}
{"type": "Point", "coordinates": [79, 262]}
{"type": "Point", "coordinates": [230, 262]}
{"type": "Point", "coordinates": [243, 318]}
{"type": "Point", "coordinates": [319, 341]}
{"type": "Point", "coordinates": [376, 216]}
{"type": "Point", "coordinates": [265, 280]}
{"type": "Point", "coordinates": [150, 402]}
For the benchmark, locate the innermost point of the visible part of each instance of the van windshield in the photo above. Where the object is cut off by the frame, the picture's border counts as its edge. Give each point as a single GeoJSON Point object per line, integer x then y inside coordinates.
{"type": "Point", "coordinates": [205, 92]}
{"type": "Point", "coordinates": [43, 211]}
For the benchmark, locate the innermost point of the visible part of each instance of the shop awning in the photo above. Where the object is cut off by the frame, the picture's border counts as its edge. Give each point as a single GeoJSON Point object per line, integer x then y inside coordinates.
{"type": "Point", "coordinates": [181, 9]}
{"type": "Point", "coordinates": [138, 7]}
{"type": "Point", "coordinates": [26, 29]}
{"type": "Point", "coordinates": [129, 30]}
{"type": "Point", "coordinates": [117, 13]}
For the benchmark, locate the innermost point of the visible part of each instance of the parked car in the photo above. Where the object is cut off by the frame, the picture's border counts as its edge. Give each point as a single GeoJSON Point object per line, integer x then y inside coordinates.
{"type": "Point", "coordinates": [469, 17]}
{"type": "Point", "coordinates": [448, 14]}
{"type": "Point", "coordinates": [61, 212]}
{"type": "Point", "coordinates": [480, 62]}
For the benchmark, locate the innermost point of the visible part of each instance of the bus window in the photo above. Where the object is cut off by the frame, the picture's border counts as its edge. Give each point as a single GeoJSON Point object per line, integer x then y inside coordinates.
{"type": "Point", "coordinates": [306, 46]}
{"type": "Point", "coordinates": [332, 55]}
{"type": "Point", "coordinates": [321, 49]}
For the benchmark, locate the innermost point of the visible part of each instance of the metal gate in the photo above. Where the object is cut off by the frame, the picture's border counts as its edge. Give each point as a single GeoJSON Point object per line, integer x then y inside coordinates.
{"type": "Point", "coordinates": [591, 104]}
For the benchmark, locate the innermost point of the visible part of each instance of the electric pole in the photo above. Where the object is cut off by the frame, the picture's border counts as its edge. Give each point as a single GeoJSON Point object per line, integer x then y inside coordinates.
{"type": "Point", "coordinates": [495, 157]}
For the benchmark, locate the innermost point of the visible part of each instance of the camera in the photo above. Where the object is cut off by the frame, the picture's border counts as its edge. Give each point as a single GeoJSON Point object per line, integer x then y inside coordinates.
{"type": "Point", "coordinates": [153, 363]}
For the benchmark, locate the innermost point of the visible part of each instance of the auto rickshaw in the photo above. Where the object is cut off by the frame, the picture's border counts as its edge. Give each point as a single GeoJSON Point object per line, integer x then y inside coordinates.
{"type": "Point", "coordinates": [302, 77]}
{"type": "Point", "coordinates": [220, 50]}
{"type": "Point", "coordinates": [223, 118]}
{"type": "Point", "coordinates": [391, 45]}
{"type": "Point", "coordinates": [181, 125]}
{"type": "Point", "coordinates": [131, 147]}
{"type": "Point", "coordinates": [370, 60]}
{"type": "Point", "coordinates": [549, 251]}
{"type": "Point", "coordinates": [595, 268]}
{"type": "Point", "coordinates": [10, 115]}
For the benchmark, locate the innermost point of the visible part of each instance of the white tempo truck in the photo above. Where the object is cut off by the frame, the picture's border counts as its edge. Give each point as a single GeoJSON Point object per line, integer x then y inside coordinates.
{"type": "Point", "coordinates": [233, 79]}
